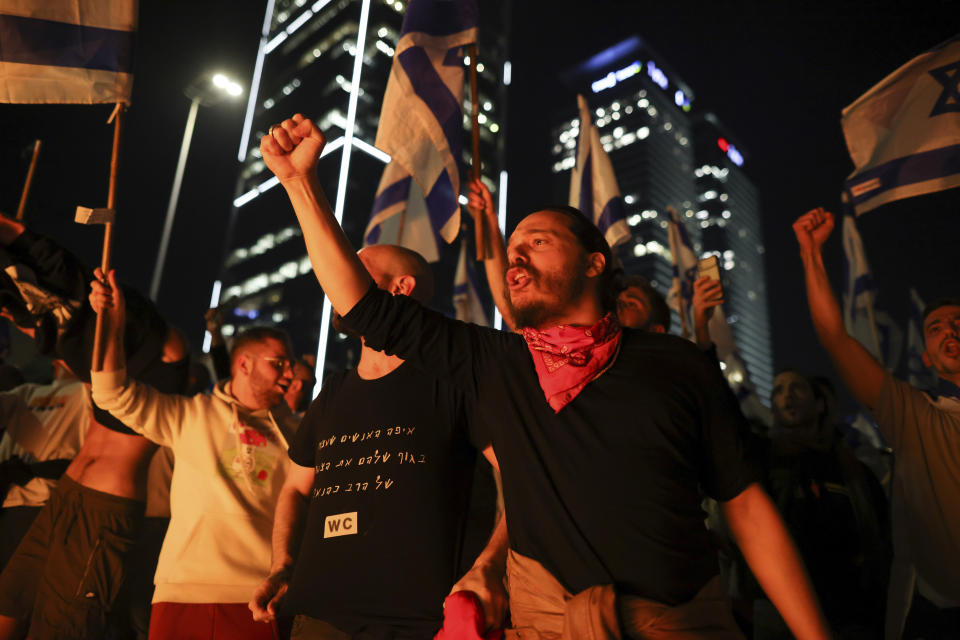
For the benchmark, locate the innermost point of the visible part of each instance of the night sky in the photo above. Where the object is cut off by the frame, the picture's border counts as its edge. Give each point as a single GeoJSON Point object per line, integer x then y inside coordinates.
{"type": "Point", "coordinates": [776, 75]}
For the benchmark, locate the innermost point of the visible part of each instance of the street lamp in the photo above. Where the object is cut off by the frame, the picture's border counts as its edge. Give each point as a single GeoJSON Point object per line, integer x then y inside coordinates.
{"type": "Point", "coordinates": [206, 91]}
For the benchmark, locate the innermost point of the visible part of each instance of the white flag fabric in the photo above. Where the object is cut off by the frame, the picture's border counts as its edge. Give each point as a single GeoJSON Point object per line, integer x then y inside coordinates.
{"type": "Point", "coordinates": [904, 133]}
{"type": "Point", "coordinates": [421, 121]}
{"type": "Point", "coordinates": [66, 51]}
{"type": "Point", "coordinates": [680, 296]}
{"type": "Point", "coordinates": [734, 366]}
{"type": "Point", "coordinates": [873, 328]}
{"type": "Point", "coordinates": [593, 185]}
{"type": "Point", "coordinates": [918, 374]}
{"type": "Point", "coordinates": [400, 215]}
{"type": "Point", "coordinates": [466, 296]}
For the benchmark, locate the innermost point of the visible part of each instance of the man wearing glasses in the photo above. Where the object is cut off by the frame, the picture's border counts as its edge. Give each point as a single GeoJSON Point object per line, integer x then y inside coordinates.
{"type": "Point", "coordinates": [231, 462]}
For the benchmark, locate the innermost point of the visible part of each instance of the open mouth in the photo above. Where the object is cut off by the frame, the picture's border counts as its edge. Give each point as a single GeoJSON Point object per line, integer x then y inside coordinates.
{"type": "Point", "coordinates": [951, 348]}
{"type": "Point", "coordinates": [517, 278]}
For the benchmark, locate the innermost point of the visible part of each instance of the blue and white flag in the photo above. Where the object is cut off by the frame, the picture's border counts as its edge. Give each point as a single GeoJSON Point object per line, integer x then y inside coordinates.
{"type": "Point", "coordinates": [904, 133]}
{"type": "Point", "coordinates": [466, 296]}
{"type": "Point", "coordinates": [680, 298]}
{"type": "Point", "coordinates": [66, 51]}
{"type": "Point", "coordinates": [593, 185]}
{"type": "Point", "coordinates": [871, 327]}
{"type": "Point", "coordinates": [918, 375]}
{"type": "Point", "coordinates": [421, 122]}
{"type": "Point", "coordinates": [400, 215]}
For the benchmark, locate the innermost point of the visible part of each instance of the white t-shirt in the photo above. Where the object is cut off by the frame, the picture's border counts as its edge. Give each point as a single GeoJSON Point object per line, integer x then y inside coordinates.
{"type": "Point", "coordinates": [42, 422]}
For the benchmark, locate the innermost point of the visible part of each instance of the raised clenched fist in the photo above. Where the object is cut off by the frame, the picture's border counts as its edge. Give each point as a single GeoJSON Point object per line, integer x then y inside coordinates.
{"type": "Point", "coordinates": [291, 149]}
{"type": "Point", "coordinates": [813, 228]}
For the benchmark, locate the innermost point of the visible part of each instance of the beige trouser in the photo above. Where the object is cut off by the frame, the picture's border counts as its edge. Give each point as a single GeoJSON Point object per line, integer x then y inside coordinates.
{"type": "Point", "coordinates": [542, 609]}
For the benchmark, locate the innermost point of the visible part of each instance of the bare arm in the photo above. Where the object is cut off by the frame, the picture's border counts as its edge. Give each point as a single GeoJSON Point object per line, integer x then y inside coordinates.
{"type": "Point", "coordinates": [765, 543]}
{"type": "Point", "coordinates": [287, 521]}
{"type": "Point", "coordinates": [862, 374]}
{"type": "Point", "coordinates": [485, 577]}
{"type": "Point", "coordinates": [291, 151]}
{"type": "Point", "coordinates": [480, 206]}
{"type": "Point", "coordinates": [107, 299]}
{"type": "Point", "coordinates": [707, 294]}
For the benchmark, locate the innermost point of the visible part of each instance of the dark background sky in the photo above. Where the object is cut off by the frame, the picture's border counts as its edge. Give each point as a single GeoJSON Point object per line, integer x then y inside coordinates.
{"type": "Point", "coordinates": [776, 74]}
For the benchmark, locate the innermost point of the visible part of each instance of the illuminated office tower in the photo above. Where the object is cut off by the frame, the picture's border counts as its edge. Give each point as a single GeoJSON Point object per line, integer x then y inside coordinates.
{"type": "Point", "coordinates": [665, 154]}
{"type": "Point", "coordinates": [728, 212]}
{"type": "Point", "coordinates": [330, 59]}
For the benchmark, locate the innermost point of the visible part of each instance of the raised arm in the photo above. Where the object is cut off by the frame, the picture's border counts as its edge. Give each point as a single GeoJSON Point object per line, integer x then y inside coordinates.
{"type": "Point", "coordinates": [480, 205]}
{"type": "Point", "coordinates": [291, 151]}
{"type": "Point", "coordinates": [287, 532]}
{"type": "Point", "coordinates": [707, 294]}
{"type": "Point", "coordinates": [107, 300]}
{"type": "Point", "coordinates": [157, 416]}
{"type": "Point", "coordinates": [862, 374]}
{"type": "Point", "coordinates": [766, 545]}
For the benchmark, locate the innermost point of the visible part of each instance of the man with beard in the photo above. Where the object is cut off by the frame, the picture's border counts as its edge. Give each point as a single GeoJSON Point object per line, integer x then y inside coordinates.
{"type": "Point", "coordinates": [604, 436]}
{"type": "Point", "coordinates": [231, 462]}
{"type": "Point", "coordinates": [381, 475]}
{"type": "Point", "coordinates": [639, 304]}
{"type": "Point", "coordinates": [923, 429]}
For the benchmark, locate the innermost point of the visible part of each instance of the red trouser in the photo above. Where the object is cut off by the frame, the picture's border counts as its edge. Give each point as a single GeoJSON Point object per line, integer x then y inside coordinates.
{"type": "Point", "coordinates": [188, 621]}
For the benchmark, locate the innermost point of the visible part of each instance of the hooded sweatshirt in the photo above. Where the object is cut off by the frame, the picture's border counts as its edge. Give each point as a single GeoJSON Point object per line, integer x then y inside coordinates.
{"type": "Point", "coordinates": [230, 466]}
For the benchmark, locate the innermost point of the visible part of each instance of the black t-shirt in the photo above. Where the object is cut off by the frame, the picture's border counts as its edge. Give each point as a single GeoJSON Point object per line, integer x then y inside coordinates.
{"type": "Point", "coordinates": [608, 490]}
{"type": "Point", "coordinates": [836, 512]}
{"type": "Point", "coordinates": [393, 464]}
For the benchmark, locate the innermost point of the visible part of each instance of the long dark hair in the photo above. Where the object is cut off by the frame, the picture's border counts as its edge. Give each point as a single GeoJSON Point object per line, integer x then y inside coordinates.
{"type": "Point", "coordinates": [591, 240]}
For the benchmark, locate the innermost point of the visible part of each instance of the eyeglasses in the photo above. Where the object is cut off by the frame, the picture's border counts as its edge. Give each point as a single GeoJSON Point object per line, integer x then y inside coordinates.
{"type": "Point", "coordinates": [277, 362]}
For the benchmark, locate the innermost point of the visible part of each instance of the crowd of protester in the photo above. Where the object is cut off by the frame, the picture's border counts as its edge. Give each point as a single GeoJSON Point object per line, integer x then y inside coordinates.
{"type": "Point", "coordinates": [636, 500]}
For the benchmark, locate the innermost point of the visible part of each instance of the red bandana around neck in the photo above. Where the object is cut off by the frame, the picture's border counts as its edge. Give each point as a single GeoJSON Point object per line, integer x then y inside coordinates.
{"type": "Point", "coordinates": [567, 357]}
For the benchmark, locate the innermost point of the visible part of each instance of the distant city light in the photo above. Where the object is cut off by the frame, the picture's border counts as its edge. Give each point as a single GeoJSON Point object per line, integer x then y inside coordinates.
{"type": "Point", "coordinates": [657, 75]}
{"type": "Point", "coordinates": [735, 156]}
{"type": "Point", "coordinates": [612, 78]}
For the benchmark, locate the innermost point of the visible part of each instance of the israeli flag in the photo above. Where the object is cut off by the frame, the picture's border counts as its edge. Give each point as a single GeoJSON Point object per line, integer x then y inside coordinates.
{"type": "Point", "coordinates": [680, 296]}
{"type": "Point", "coordinates": [680, 299]}
{"type": "Point", "coordinates": [400, 215]}
{"type": "Point", "coordinates": [421, 122]}
{"type": "Point", "coordinates": [872, 328]}
{"type": "Point", "coordinates": [466, 296]}
{"type": "Point", "coordinates": [918, 375]}
{"type": "Point", "coordinates": [66, 51]}
{"type": "Point", "coordinates": [593, 185]}
{"type": "Point", "coordinates": [904, 133]}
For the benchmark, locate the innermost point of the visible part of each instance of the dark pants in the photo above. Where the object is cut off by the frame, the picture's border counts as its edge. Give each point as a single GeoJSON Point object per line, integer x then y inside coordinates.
{"type": "Point", "coordinates": [67, 571]}
{"type": "Point", "coordinates": [927, 621]}
{"type": "Point", "coordinates": [14, 524]}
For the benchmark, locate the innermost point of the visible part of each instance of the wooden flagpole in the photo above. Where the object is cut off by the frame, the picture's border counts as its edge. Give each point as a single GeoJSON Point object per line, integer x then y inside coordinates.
{"type": "Point", "coordinates": [117, 118]}
{"type": "Point", "coordinates": [478, 221]}
{"type": "Point", "coordinates": [29, 180]}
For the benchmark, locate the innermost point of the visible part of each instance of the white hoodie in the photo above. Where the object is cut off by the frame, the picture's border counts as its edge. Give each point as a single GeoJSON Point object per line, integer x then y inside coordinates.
{"type": "Point", "coordinates": [230, 466]}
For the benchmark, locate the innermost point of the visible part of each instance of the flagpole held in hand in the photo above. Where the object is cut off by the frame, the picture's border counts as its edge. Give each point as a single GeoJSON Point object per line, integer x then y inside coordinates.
{"type": "Point", "coordinates": [26, 184]}
{"type": "Point", "coordinates": [478, 221]}
{"type": "Point", "coordinates": [117, 118]}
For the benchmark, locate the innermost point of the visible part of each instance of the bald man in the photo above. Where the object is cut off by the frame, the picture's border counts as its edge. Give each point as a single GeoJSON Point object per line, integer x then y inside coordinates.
{"type": "Point", "coordinates": [381, 473]}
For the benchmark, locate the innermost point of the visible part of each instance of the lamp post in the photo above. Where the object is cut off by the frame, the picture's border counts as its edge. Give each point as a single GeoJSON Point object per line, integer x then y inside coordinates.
{"type": "Point", "coordinates": [206, 91]}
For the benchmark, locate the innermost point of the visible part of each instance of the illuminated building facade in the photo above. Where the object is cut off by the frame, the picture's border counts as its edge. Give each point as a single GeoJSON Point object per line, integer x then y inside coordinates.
{"type": "Point", "coordinates": [667, 152]}
{"type": "Point", "coordinates": [330, 59]}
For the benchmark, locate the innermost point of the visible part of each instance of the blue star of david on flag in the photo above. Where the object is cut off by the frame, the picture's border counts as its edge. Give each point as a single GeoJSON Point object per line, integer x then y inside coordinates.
{"type": "Point", "coordinates": [421, 123]}
{"type": "Point", "coordinates": [904, 133]}
{"type": "Point", "coordinates": [949, 77]}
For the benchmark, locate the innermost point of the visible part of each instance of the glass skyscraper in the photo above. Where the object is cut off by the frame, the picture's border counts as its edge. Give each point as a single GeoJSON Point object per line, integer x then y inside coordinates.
{"type": "Point", "coordinates": [329, 60]}
{"type": "Point", "coordinates": [667, 150]}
